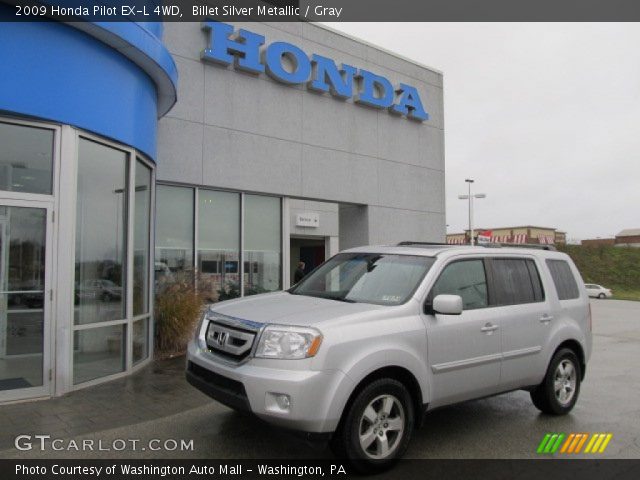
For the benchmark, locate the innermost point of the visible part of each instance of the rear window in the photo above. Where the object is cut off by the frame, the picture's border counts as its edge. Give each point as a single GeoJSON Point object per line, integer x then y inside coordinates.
{"type": "Point", "coordinates": [516, 281]}
{"type": "Point", "coordinates": [563, 279]}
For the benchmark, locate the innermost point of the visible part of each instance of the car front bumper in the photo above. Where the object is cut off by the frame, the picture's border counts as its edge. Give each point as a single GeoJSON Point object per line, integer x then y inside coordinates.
{"type": "Point", "coordinates": [315, 397]}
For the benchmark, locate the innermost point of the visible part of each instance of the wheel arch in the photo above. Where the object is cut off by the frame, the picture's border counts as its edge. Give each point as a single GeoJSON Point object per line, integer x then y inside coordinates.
{"type": "Point", "coordinates": [576, 347]}
{"type": "Point", "coordinates": [396, 372]}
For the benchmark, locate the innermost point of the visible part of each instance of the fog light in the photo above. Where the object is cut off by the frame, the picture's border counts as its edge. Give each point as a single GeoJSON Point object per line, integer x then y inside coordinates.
{"type": "Point", "coordinates": [283, 401]}
{"type": "Point", "coordinates": [278, 403]}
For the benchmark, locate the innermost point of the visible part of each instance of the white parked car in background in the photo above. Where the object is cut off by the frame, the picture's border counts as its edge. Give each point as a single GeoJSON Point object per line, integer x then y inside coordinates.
{"type": "Point", "coordinates": [598, 291]}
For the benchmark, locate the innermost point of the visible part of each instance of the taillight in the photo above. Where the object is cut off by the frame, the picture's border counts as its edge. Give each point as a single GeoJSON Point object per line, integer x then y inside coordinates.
{"type": "Point", "coordinates": [589, 319]}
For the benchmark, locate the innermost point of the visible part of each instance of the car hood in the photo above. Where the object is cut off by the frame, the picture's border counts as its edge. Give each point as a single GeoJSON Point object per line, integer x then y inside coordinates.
{"type": "Point", "coordinates": [287, 309]}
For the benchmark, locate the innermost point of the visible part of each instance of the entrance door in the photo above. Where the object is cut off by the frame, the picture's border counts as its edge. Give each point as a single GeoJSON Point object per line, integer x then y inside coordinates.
{"type": "Point", "coordinates": [310, 251]}
{"type": "Point", "coordinates": [24, 300]}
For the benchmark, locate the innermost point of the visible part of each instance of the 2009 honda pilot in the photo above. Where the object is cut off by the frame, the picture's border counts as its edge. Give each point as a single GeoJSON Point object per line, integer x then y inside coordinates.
{"type": "Point", "coordinates": [376, 336]}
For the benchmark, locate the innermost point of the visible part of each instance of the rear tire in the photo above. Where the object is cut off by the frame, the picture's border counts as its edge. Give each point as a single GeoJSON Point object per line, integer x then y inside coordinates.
{"type": "Point", "coordinates": [377, 427]}
{"type": "Point", "coordinates": [558, 392]}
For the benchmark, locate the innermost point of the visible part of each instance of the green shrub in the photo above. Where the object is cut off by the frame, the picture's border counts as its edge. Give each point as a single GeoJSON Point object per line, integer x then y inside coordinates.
{"type": "Point", "coordinates": [177, 310]}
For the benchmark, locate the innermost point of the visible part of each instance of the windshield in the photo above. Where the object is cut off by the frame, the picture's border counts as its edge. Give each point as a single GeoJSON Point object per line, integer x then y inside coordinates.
{"type": "Point", "coordinates": [376, 278]}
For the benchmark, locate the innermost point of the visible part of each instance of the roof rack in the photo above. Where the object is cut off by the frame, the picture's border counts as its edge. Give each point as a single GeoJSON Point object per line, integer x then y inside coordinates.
{"type": "Point", "coordinates": [535, 246]}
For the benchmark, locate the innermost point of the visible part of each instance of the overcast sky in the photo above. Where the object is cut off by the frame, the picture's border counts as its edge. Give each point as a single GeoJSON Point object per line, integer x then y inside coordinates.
{"type": "Point", "coordinates": [544, 117]}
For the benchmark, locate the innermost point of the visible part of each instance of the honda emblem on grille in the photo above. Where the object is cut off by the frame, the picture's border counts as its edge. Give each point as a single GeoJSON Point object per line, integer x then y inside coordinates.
{"type": "Point", "coordinates": [222, 338]}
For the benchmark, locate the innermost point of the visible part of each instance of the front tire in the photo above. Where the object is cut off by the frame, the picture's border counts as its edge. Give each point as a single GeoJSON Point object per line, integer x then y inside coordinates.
{"type": "Point", "coordinates": [558, 392]}
{"type": "Point", "coordinates": [602, 296]}
{"type": "Point", "coordinates": [377, 427]}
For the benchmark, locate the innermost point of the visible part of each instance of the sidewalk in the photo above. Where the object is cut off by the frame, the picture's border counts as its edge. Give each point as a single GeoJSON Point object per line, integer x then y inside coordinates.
{"type": "Point", "coordinates": [157, 391]}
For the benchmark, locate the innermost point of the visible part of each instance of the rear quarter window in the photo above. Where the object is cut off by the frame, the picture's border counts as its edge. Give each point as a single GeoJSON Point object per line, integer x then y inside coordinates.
{"type": "Point", "coordinates": [563, 279]}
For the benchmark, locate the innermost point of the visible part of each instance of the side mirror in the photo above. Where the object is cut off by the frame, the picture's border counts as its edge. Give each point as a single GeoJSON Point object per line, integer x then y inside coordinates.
{"type": "Point", "coordinates": [448, 304]}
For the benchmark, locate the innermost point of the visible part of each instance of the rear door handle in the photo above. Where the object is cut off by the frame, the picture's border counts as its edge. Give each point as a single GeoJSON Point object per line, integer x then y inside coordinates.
{"type": "Point", "coordinates": [546, 318]}
{"type": "Point", "coordinates": [489, 327]}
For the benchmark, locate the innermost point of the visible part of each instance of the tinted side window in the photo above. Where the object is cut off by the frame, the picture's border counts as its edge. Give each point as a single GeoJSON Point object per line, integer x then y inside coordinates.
{"type": "Point", "coordinates": [563, 279]}
{"type": "Point", "coordinates": [465, 278]}
{"type": "Point", "coordinates": [516, 281]}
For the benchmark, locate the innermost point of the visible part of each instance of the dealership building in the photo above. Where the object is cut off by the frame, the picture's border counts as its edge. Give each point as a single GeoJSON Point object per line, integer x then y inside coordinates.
{"type": "Point", "coordinates": [133, 155]}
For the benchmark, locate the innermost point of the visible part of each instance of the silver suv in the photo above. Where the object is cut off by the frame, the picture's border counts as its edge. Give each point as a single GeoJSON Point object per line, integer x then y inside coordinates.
{"type": "Point", "coordinates": [361, 348]}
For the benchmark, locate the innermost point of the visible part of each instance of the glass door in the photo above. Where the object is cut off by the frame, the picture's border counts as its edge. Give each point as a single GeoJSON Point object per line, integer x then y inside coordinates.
{"type": "Point", "coordinates": [24, 299]}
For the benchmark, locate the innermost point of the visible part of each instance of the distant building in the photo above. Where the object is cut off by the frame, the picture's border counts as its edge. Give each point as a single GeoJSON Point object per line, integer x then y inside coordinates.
{"type": "Point", "coordinates": [598, 242]}
{"type": "Point", "coordinates": [629, 237]}
{"type": "Point", "coordinates": [523, 234]}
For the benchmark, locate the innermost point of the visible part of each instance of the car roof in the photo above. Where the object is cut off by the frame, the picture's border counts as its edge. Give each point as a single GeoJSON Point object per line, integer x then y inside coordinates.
{"type": "Point", "coordinates": [443, 250]}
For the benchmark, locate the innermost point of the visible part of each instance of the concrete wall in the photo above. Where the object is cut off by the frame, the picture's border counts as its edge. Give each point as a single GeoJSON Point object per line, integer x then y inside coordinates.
{"type": "Point", "coordinates": [235, 130]}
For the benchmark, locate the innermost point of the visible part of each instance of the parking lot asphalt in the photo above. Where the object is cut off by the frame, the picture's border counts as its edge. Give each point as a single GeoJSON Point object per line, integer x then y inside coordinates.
{"type": "Point", "coordinates": [505, 426]}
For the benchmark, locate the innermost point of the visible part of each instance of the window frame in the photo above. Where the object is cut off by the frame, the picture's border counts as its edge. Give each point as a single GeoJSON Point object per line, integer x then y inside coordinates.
{"type": "Point", "coordinates": [428, 302]}
{"type": "Point", "coordinates": [128, 321]}
{"type": "Point", "coordinates": [55, 172]}
{"type": "Point", "coordinates": [196, 189]}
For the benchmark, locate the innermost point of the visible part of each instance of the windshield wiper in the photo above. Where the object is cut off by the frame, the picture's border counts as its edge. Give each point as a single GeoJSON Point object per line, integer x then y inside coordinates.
{"type": "Point", "coordinates": [340, 299]}
{"type": "Point", "coordinates": [327, 297]}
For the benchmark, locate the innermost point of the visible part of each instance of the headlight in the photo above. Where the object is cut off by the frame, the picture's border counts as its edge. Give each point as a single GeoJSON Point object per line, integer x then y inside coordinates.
{"type": "Point", "coordinates": [202, 320]}
{"type": "Point", "coordinates": [281, 341]}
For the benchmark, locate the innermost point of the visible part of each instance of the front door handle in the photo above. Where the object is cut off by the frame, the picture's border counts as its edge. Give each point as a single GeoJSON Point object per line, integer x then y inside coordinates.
{"type": "Point", "coordinates": [489, 327]}
{"type": "Point", "coordinates": [546, 318]}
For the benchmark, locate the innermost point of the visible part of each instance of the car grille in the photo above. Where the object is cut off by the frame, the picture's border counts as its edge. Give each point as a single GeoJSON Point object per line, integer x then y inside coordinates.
{"type": "Point", "coordinates": [230, 338]}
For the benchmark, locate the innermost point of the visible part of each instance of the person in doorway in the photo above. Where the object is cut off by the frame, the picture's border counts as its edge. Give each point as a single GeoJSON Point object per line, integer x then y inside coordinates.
{"type": "Point", "coordinates": [299, 275]}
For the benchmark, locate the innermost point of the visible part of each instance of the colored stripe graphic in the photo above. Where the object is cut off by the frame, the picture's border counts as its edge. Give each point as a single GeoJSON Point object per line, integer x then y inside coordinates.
{"type": "Point", "coordinates": [550, 443]}
{"type": "Point", "coordinates": [543, 443]}
{"type": "Point", "coordinates": [574, 443]}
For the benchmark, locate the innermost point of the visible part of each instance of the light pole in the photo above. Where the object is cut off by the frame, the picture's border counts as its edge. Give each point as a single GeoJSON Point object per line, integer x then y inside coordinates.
{"type": "Point", "coordinates": [470, 198]}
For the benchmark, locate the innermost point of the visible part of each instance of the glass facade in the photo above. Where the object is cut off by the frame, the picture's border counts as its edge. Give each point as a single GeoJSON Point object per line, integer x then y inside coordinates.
{"type": "Point", "coordinates": [26, 159]}
{"type": "Point", "coordinates": [22, 296]}
{"type": "Point", "coordinates": [174, 234]}
{"type": "Point", "coordinates": [141, 238]}
{"type": "Point", "coordinates": [262, 244]}
{"type": "Point", "coordinates": [101, 233]}
{"type": "Point", "coordinates": [229, 243]}
{"type": "Point", "coordinates": [112, 302]}
{"type": "Point", "coordinates": [223, 269]}
{"type": "Point", "coordinates": [218, 245]}
{"type": "Point", "coordinates": [98, 352]}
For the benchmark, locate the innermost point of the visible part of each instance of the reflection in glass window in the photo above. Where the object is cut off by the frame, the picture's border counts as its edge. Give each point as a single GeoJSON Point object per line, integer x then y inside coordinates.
{"type": "Point", "coordinates": [466, 279]}
{"type": "Point", "coordinates": [218, 245]}
{"type": "Point", "coordinates": [22, 295]}
{"type": "Point", "coordinates": [26, 159]}
{"type": "Point", "coordinates": [563, 279]}
{"type": "Point", "coordinates": [101, 232]}
{"type": "Point", "coordinates": [141, 239]}
{"type": "Point", "coordinates": [140, 340]}
{"type": "Point", "coordinates": [174, 234]}
{"type": "Point", "coordinates": [380, 279]}
{"type": "Point", "coordinates": [98, 352]}
{"type": "Point", "coordinates": [262, 244]}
